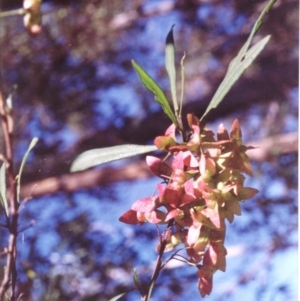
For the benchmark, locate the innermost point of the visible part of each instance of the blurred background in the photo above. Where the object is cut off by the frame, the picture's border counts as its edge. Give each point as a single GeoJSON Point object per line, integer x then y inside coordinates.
{"type": "Point", "coordinates": [74, 87]}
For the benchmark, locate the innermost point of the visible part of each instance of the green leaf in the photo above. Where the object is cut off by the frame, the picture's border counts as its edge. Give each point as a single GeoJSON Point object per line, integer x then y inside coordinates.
{"type": "Point", "coordinates": [117, 297]}
{"type": "Point", "coordinates": [18, 178]}
{"type": "Point", "coordinates": [234, 72]}
{"type": "Point", "coordinates": [239, 64]}
{"type": "Point", "coordinates": [99, 156]}
{"type": "Point", "coordinates": [137, 282]}
{"type": "Point", "coordinates": [170, 66]}
{"type": "Point", "coordinates": [3, 200]}
{"type": "Point", "coordinates": [153, 87]}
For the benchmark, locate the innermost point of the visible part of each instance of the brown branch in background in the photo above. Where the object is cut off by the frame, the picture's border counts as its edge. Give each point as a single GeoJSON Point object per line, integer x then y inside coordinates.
{"type": "Point", "coordinates": [86, 179]}
{"type": "Point", "coordinates": [126, 19]}
{"type": "Point", "coordinates": [270, 147]}
{"type": "Point", "coordinates": [266, 149]}
{"type": "Point", "coordinates": [10, 273]}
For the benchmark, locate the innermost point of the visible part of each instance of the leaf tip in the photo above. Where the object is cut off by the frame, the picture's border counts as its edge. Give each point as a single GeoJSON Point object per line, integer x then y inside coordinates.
{"type": "Point", "coordinates": [170, 38]}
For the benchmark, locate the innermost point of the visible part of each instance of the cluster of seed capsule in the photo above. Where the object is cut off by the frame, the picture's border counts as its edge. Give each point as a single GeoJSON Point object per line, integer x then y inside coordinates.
{"type": "Point", "coordinates": [203, 185]}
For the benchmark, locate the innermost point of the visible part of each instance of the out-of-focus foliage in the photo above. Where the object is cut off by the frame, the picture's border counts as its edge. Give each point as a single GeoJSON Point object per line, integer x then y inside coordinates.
{"type": "Point", "coordinates": [76, 90]}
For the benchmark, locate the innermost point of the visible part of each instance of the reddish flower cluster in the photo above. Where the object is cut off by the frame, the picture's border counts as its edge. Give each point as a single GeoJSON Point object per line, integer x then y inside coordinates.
{"type": "Point", "coordinates": [203, 187]}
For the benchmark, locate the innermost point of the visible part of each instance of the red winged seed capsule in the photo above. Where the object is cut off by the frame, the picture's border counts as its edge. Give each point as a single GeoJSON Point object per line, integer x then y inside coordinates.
{"type": "Point", "coordinates": [203, 186]}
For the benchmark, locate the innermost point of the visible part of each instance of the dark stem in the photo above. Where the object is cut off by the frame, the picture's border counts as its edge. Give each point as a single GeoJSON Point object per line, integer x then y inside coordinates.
{"type": "Point", "coordinates": [158, 265]}
{"type": "Point", "coordinates": [180, 127]}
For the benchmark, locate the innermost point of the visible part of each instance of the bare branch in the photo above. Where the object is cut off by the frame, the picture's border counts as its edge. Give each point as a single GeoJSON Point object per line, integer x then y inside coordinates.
{"type": "Point", "coordinates": [86, 179]}
{"type": "Point", "coordinates": [273, 146]}
{"type": "Point", "coordinates": [10, 271]}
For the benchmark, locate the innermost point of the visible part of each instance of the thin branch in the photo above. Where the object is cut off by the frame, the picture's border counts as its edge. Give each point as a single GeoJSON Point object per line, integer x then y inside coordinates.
{"type": "Point", "coordinates": [10, 272]}
{"type": "Point", "coordinates": [159, 264]}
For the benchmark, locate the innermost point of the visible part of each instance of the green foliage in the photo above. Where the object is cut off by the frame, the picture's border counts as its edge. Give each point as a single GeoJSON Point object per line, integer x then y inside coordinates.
{"type": "Point", "coordinates": [153, 87]}
{"type": "Point", "coordinates": [18, 177]}
{"type": "Point", "coordinates": [117, 297]}
{"type": "Point", "coordinates": [99, 156]}
{"type": "Point", "coordinates": [239, 64]}
{"type": "Point", "coordinates": [170, 66]}
{"type": "Point", "coordinates": [236, 68]}
{"type": "Point", "coordinates": [137, 282]}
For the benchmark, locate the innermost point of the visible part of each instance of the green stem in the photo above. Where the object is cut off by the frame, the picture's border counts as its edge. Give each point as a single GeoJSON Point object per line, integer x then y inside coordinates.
{"type": "Point", "coordinates": [182, 84]}
{"type": "Point", "coordinates": [15, 12]}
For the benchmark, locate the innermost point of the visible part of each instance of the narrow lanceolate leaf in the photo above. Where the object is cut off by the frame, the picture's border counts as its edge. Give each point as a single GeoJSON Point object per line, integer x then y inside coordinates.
{"type": "Point", "coordinates": [234, 72]}
{"type": "Point", "coordinates": [153, 87]}
{"type": "Point", "coordinates": [3, 200]}
{"type": "Point", "coordinates": [170, 66]}
{"type": "Point", "coordinates": [117, 297]}
{"type": "Point", "coordinates": [31, 146]}
{"type": "Point", "coordinates": [137, 282]}
{"type": "Point", "coordinates": [99, 156]}
{"type": "Point", "coordinates": [241, 62]}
